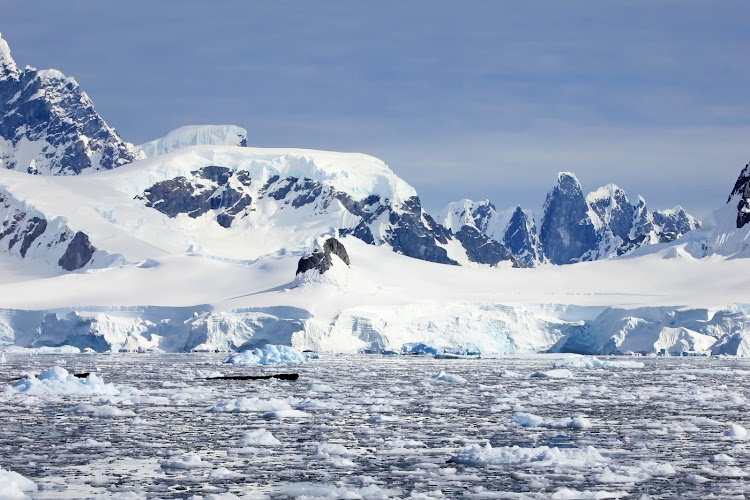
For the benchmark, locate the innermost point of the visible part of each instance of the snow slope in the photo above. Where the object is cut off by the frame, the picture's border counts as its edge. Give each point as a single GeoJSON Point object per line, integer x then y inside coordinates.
{"type": "Point", "coordinates": [196, 135]}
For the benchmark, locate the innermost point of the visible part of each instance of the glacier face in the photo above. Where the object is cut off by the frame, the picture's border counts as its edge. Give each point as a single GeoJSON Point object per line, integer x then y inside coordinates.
{"type": "Point", "coordinates": [485, 328]}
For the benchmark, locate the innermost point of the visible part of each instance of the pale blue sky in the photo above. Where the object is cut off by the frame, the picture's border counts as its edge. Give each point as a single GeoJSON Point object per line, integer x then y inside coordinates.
{"type": "Point", "coordinates": [462, 99]}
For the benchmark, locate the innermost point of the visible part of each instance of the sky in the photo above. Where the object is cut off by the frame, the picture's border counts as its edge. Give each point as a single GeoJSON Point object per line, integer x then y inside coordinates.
{"type": "Point", "coordinates": [478, 99]}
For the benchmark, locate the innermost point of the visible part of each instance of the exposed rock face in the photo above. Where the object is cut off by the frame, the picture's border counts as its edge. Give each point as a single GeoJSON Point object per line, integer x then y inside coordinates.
{"type": "Point", "coordinates": [741, 192]}
{"type": "Point", "coordinates": [567, 231]}
{"type": "Point", "coordinates": [78, 253]}
{"type": "Point", "coordinates": [574, 228]}
{"type": "Point", "coordinates": [228, 195]}
{"type": "Point", "coordinates": [213, 188]}
{"type": "Point", "coordinates": [49, 126]}
{"type": "Point", "coordinates": [521, 239]}
{"type": "Point", "coordinates": [321, 258]}
{"type": "Point", "coordinates": [27, 234]}
{"type": "Point", "coordinates": [480, 248]}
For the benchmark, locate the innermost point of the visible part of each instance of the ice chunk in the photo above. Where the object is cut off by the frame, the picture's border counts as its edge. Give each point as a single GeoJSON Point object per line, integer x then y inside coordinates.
{"type": "Point", "coordinates": [588, 363]}
{"type": "Point", "coordinates": [738, 432]}
{"type": "Point", "coordinates": [529, 420]}
{"type": "Point", "coordinates": [448, 377]}
{"type": "Point", "coordinates": [557, 373]}
{"type": "Point", "coordinates": [253, 404]}
{"type": "Point", "coordinates": [321, 388]}
{"type": "Point", "coordinates": [267, 355]}
{"type": "Point", "coordinates": [259, 437]}
{"type": "Point", "coordinates": [542, 456]}
{"type": "Point", "coordinates": [335, 454]}
{"type": "Point", "coordinates": [105, 411]}
{"type": "Point", "coordinates": [13, 486]}
{"type": "Point", "coordinates": [186, 462]}
{"type": "Point", "coordinates": [285, 414]}
{"type": "Point", "coordinates": [57, 380]}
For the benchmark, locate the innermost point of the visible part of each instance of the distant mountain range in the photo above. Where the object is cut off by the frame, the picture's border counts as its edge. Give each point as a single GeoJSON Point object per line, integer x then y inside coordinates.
{"type": "Point", "coordinates": [574, 227]}
{"type": "Point", "coordinates": [50, 127]}
{"type": "Point", "coordinates": [191, 241]}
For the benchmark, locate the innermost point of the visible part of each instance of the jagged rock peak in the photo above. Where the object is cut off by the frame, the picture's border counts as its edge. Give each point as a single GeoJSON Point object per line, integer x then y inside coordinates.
{"type": "Point", "coordinates": [742, 191]}
{"type": "Point", "coordinates": [196, 135]}
{"type": "Point", "coordinates": [8, 68]}
{"type": "Point", "coordinates": [48, 125]}
{"type": "Point", "coordinates": [567, 182]}
{"type": "Point", "coordinates": [742, 181]}
{"type": "Point", "coordinates": [321, 256]}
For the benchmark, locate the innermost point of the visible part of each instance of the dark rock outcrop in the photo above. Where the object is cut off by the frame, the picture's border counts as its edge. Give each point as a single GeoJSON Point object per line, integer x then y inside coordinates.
{"type": "Point", "coordinates": [78, 254]}
{"type": "Point", "coordinates": [208, 189]}
{"type": "Point", "coordinates": [321, 258]}
{"type": "Point", "coordinates": [483, 250]}
{"type": "Point", "coordinates": [742, 191]}
{"type": "Point", "coordinates": [521, 238]}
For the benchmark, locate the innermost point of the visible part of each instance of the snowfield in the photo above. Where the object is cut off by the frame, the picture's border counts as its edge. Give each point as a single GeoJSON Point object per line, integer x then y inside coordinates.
{"type": "Point", "coordinates": [198, 301]}
{"type": "Point", "coordinates": [385, 427]}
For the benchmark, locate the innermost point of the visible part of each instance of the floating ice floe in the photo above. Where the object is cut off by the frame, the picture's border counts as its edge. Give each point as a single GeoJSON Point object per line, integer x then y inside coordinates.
{"type": "Point", "coordinates": [556, 373]}
{"type": "Point", "coordinates": [738, 432]}
{"type": "Point", "coordinates": [568, 494]}
{"type": "Point", "coordinates": [259, 437]}
{"type": "Point", "coordinates": [542, 456]}
{"type": "Point", "coordinates": [321, 388]}
{"type": "Point", "coordinates": [588, 363]}
{"type": "Point", "coordinates": [449, 377]}
{"type": "Point", "coordinates": [186, 462]}
{"type": "Point", "coordinates": [13, 486]}
{"type": "Point", "coordinates": [63, 349]}
{"type": "Point", "coordinates": [252, 404]}
{"type": "Point", "coordinates": [529, 420]}
{"type": "Point", "coordinates": [58, 380]}
{"type": "Point", "coordinates": [335, 454]}
{"type": "Point", "coordinates": [105, 411]}
{"type": "Point", "coordinates": [267, 355]}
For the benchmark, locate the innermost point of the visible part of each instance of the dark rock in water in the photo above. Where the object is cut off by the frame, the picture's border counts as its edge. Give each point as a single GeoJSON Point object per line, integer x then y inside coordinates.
{"type": "Point", "coordinates": [280, 376]}
{"type": "Point", "coordinates": [78, 253]}
{"type": "Point", "coordinates": [321, 259]}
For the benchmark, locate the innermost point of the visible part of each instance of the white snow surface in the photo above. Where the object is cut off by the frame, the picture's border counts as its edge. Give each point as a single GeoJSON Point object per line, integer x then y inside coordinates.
{"type": "Point", "coordinates": [180, 284]}
{"type": "Point", "coordinates": [195, 135]}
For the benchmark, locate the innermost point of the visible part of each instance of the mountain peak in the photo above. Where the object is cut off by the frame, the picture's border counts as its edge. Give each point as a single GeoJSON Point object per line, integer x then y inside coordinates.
{"type": "Point", "coordinates": [8, 68]}
{"type": "Point", "coordinates": [196, 135]}
{"type": "Point", "coordinates": [568, 183]}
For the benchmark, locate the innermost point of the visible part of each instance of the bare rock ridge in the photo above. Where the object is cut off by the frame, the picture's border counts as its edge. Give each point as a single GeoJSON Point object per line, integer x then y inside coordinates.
{"type": "Point", "coordinates": [321, 259]}
{"type": "Point", "coordinates": [48, 125]}
{"type": "Point", "coordinates": [574, 227]}
{"type": "Point", "coordinates": [742, 191]}
{"type": "Point", "coordinates": [27, 233]}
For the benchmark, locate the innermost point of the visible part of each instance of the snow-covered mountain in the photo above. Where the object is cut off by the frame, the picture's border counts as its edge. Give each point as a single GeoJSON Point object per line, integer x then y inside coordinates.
{"type": "Point", "coordinates": [284, 198]}
{"type": "Point", "coordinates": [49, 126]}
{"type": "Point", "coordinates": [196, 135]}
{"type": "Point", "coordinates": [574, 227]}
{"type": "Point", "coordinates": [197, 246]}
